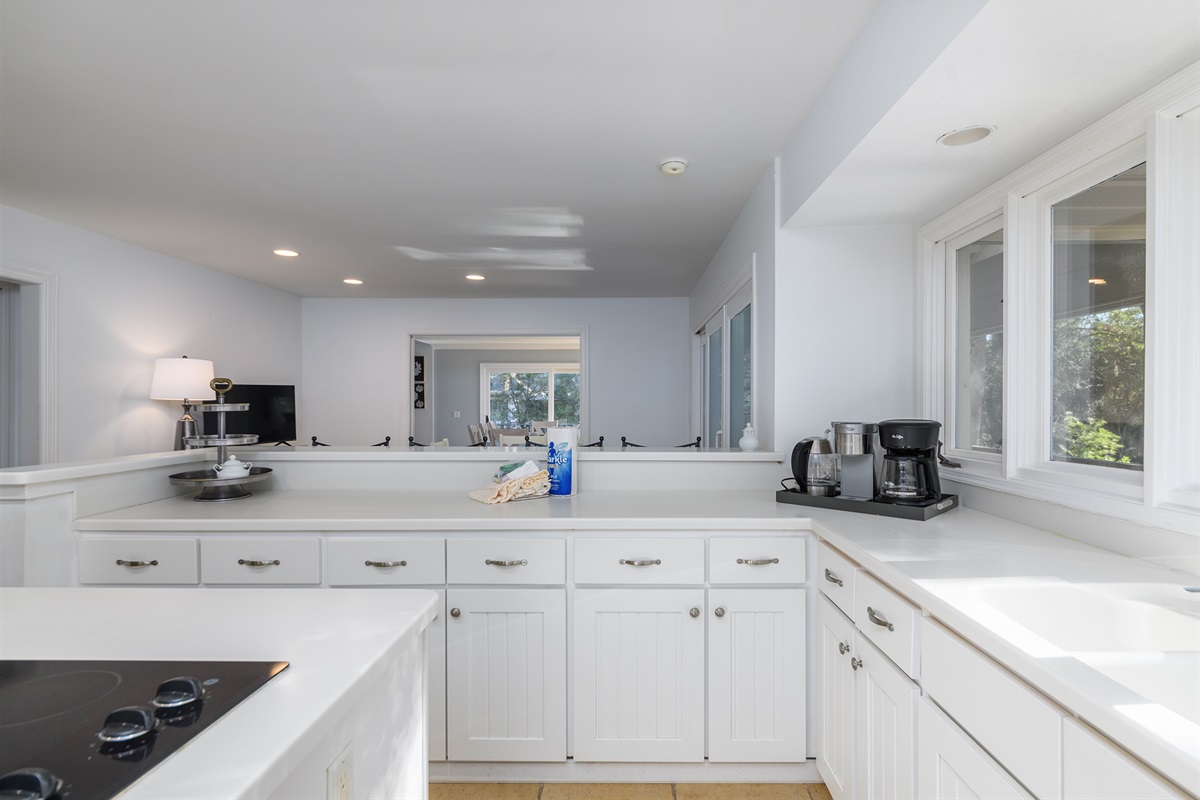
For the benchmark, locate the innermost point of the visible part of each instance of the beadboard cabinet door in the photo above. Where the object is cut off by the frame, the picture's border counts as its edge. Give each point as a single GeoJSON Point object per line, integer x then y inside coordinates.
{"type": "Point", "coordinates": [756, 681]}
{"type": "Point", "coordinates": [835, 700]}
{"type": "Point", "coordinates": [639, 675]}
{"type": "Point", "coordinates": [884, 726]}
{"type": "Point", "coordinates": [951, 766]}
{"type": "Point", "coordinates": [506, 693]}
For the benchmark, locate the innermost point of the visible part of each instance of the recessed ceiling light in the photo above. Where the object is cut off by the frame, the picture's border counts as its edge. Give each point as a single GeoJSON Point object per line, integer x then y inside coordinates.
{"type": "Point", "coordinates": [968, 135]}
{"type": "Point", "coordinates": [476, 278]}
{"type": "Point", "coordinates": [1097, 281]}
{"type": "Point", "coordinates": [286, 253]}
{"type": "Point", "coordinates": [352, 281]}
{"type": "Point", "coordinates": [673, 166]}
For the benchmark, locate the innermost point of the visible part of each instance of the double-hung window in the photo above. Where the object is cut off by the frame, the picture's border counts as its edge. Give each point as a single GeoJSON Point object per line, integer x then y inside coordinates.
{"type": "Point", "coordinates": [517, 395]}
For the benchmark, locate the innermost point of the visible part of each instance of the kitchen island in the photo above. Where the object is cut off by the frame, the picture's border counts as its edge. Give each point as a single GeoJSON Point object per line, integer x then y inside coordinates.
{"type": "Point", "coordinates": [355, 686]}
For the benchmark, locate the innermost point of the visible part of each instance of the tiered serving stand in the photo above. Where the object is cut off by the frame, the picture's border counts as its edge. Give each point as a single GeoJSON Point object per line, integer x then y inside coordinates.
{"type": "Point", "coordinates": [214, 488]}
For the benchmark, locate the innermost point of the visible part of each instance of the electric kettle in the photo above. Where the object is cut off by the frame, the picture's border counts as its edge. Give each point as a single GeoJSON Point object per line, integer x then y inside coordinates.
{"type": "Point", "coordinates": [813, 445]}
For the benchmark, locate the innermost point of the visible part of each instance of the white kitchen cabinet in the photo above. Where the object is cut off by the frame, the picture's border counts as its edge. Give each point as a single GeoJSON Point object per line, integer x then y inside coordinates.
{"type": "Point", "coordinates": [260, 561]}
{"type": "Point", "coordinates": [835, 700]}
{"type": "Point", "coordinates": [951, 766]}
{"type": "Point", "coordinates": [884, 726]}
{"type": "Point", "coordinates": [639, 674]}
{"type": "Point", "coordinates": [756, 683]}
{"type": "Point", "coordinates": [138, 560]}
{"type": "Point", "coordinates": [506, 675]}
{"type": "Point", "coordinates": [1094, 769]}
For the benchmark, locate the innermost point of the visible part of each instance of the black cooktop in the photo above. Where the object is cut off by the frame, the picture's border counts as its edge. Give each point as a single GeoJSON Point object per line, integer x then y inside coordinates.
{"type": "Point", "coordinates": [91, 728]}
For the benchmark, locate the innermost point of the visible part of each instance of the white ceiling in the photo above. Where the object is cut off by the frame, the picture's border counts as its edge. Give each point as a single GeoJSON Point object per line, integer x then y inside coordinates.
{"type": "Point", "coordinates": [218, 130]}
{"type": "Point", "coordinates": [1038, 71]}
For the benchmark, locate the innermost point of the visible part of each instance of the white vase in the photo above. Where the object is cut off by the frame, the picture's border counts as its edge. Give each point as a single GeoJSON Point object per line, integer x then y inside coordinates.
{"type": "Point", "coordinates": [749, 440]}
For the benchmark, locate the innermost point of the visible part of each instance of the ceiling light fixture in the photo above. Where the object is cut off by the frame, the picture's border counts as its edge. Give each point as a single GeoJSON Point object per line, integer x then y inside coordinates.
{"type": "Point", "coordinates": [476, 278]}
{"type": "Point", "coordinates": [1097, 281]}
{"type": "Point", "coordinates": [968, 135]}
{"type": "Point", "coordinates": [286, 253]}
{"type": "Point", "coordinates": [673, 166]}
{"type": "Point", "coordinates": [352, 281]}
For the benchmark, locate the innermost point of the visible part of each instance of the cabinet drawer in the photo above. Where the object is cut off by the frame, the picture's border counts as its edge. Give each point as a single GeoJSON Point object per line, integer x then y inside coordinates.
{"type": "Point", "coordinates": [635, 560]}
{"type": "Point", "coordinates": [757, 559]}
{"type": "Point", "coordinates": [138, 560]}
{"type": "Point", "coordinates": [1018, 727]}
{"type": "Point", "coordinates": [1093, 769]}
{"type": "Point", "coordinates": [835, 576]}
{"type": "Point", "coordinates": [386, 562]}
{"type": "Point", "coordinates": [260, 561]}
{"type": "Point", "coordinates": [888, 620]}
{"type": "Point", "coordinates": [506, 562]}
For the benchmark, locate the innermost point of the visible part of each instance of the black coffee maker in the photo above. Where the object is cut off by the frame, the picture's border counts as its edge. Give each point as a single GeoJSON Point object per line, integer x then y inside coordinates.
{"type": "Point", "coordinates": [910, 471]}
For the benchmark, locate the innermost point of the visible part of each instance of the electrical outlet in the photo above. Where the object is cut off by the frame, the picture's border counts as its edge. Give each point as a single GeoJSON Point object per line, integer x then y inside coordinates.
{"type": "Point", "coordinates": [337, 776]}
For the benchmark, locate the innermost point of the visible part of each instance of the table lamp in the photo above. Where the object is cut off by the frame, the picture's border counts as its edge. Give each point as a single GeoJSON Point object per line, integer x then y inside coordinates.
{"type": "Point", "coordinates": [185, 379]}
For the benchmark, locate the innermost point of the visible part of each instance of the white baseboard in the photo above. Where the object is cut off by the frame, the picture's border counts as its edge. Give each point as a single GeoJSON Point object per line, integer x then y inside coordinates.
{"type": "Point", "coordinates": [571, 771]}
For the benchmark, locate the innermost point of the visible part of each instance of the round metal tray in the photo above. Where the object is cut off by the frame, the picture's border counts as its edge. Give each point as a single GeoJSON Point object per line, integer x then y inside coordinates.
{"type": "Point", "coordinates": [213, 440]}
{"type": "Point", "coordinates": [222, 407]}
{"type": "Point", "coordinates": [215, 488]}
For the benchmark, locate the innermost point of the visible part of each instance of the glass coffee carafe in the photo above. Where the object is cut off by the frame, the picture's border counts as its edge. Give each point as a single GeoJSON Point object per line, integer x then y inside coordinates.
{"type": "Point", "coordinates": [903, 479]}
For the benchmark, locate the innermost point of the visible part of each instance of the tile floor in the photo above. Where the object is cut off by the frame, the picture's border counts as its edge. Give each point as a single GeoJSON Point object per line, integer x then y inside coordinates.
{"type": "Point", "coordinates": [628, 791]}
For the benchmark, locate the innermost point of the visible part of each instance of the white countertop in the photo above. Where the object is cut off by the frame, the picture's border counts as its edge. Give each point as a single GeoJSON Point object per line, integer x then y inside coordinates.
{"type": "Point", "coordinates": [444, 511]}
{"type": "Point", "coordinates": [1114, 640]}
{"type": "Point", "coordinates": [279, 723]}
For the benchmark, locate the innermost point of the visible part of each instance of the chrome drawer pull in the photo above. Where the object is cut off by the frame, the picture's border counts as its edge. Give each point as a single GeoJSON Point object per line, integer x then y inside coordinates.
{"type": "Point", "coordinates": [855, 663]}
{"type": "Point", "coordinates": [137, 564]}
{"type": "Point", "coordinates": [386, 564]}
{"type": "Point", "coordinates": [878, 620]}
{"type": "Point", "coordinates": [829, 576]}
{"type": "Point", "coordinates": [758, 562]}
{"type": "Point", "coordinates": [249, 563]}
{"type": "Point", "coordinates": [644, 562]}
{"type": "Point", "coordinates": [520, 563]}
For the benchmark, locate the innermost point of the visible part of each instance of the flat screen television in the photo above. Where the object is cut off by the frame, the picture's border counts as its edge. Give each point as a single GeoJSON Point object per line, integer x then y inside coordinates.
{"type": "Point", "coordinates": [272, 413]}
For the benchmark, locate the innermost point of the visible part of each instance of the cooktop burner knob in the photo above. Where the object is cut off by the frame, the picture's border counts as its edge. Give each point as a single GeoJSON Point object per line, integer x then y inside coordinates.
{"type": "Point", "coordinates": [126, 724]}
{"type": "Point", "coordinates": [31, 783]}
{"type": "Point", "coordinates": [178, 692]}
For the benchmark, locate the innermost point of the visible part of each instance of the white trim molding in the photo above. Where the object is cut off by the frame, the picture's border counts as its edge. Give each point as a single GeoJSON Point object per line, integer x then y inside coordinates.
{"type": "Point", "coordinates": [47, 283]}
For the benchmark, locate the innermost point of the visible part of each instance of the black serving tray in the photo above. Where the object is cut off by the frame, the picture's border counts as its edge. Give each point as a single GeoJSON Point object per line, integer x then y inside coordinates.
{"type": "Point", "coordinates": [922, 513]}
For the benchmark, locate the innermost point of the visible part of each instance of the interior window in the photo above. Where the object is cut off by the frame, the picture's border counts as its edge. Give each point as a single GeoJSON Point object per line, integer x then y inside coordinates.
{"type": "Point", "coordinates": [520, 395]}
{"type": "Point", "coordinates": [1099, 351]}
{"type": "Point", "coordinates": [979, 344]}
{"type": "Point", "coordinates": [728, 380]}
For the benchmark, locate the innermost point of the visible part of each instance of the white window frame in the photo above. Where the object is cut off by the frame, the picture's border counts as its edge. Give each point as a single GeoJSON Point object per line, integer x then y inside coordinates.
{"type": "Point", "coordinates": [1152, 129]}
{"type": "Point", "coordinates": [488, 369]}
{"type": "Point", "coordinates": [742, 297]}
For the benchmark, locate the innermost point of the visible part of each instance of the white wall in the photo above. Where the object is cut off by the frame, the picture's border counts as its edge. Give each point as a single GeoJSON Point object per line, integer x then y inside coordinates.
{"type": "Point", "coordinates": [751, 240]}
{"type": "Point", "coordinates": [356, 371]}
{"type": "Point", "coordinates": [843, 303]}
{"type": "Point", "coordinates": [119, 308]}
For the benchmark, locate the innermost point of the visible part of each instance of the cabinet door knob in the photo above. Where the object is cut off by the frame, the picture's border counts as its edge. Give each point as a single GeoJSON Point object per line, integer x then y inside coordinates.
{"type": "Point", "coordinates": [137, 564]}
{"type": "Point", "coordinates": [695, 612]}
{"type": "Point", "coordinates": [454, 612]}
{"type": "Point", "coordinates": [829, 576]}
{"type": "Point", "coordinates": [758, 562]}
{"type": "Point", "coordinates": [250, 563]}
{"type": "Point", "coordinates": [879, 620]}
{"type": "Point", "coordinates": [720, 612]}
{"type": "Point", "coordinates": [843, 648]}
{"type": "Point", "coordinates": [855, 663]}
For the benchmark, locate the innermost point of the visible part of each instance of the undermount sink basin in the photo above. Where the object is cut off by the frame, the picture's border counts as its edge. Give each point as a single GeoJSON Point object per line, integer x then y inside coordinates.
{"type": "Point", "coordinates": [1103, 618]}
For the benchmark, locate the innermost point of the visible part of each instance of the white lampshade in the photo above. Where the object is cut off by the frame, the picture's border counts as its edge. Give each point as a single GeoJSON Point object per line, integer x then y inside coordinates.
{"type": "Point", "coordinates": [182, 379]}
